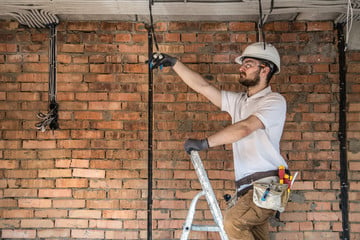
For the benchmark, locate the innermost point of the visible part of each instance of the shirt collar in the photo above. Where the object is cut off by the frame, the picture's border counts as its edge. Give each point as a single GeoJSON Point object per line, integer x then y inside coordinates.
{"type": "Point", "coordinates": [262, 93]}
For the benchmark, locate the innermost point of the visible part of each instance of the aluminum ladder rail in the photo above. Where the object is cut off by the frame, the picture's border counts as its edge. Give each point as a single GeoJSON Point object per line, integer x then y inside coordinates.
{"type": "Point", "coordinates": [207, 190]}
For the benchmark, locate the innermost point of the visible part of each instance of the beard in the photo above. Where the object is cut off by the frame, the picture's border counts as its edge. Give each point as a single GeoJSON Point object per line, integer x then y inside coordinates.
{"type": "Point", "coordinates": [249, 82]}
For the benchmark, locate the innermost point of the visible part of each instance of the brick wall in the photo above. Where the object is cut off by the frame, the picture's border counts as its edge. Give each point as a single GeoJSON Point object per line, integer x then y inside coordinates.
{"type": "Point", "coordinates": [89, 179]}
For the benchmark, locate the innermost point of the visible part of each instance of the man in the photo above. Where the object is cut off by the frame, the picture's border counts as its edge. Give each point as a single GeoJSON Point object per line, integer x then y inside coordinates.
{"type": "Point", "coordinates": [258, 117]}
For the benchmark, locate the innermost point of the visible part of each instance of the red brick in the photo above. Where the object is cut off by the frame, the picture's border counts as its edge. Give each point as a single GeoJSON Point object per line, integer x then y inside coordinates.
{"type": "Point", "coordinates": [35, 203]}
{"type": "Point", "coordinates": [71, 183]}
{"type": "Point", "coordinates": [85, 214]}
{"type": "Point", "coordinates": [89, 194]}
{"type": "Point", "coordinates": [320, 26]}
{"type": "Point", "coordinates": [35, 67]}
{"type": "Point", "coordinates": [126, 48]}
{"type": "Point", "coordinates": [12, 223]}
{"type": "Point", "coordinates": [14, 59]}
{"type": "Point", "coordinates": [122, 234]}
{"type": "Point", "coordinates": [99, 48]}
{"type": "Point", "coordinates": [88, 234]}
{"type": "Point", "coordinates": [73, 143]}
{"type": "Point", "coordinates": [9, 164]}
{"type": "Point", "coordinates": [71, 223]}
{"type": "Point", "coordinates": [73, 48]}
{"type": "Point", "coordinates": [7, 47]}
{"type": "Point", "coordinates": [242, 26]}
{"type": "Point", "coordinates": [39, 144]}
{"type": "Point", "coordinates": [68, 203]}
{"type": "Point", "coordinates": [17, 213]}
{"type": "Point", "coordinates": [76, 68]}
{"type": "Point", "coordinates": [50, 213]}
{"type": "Point", "coordinates": [55, 173]}
{"type": "Point", "coordinates": [81, 59]}
{"type": "Point", "coordinates": [87, 134]}
{"type": "Point", "coordinates": [109, 184]}
{"type": "Point", "coordinates": [119, 214]}
{"type": "Point", "coordinates": [55, 193]}
{"type": "Point", "coordinates": [83, 26]}
{"type": "Point", "coordinates": [19, 134]}
{"type": "Point", "coordinates": [37, 223]}
{"type": "Point", "coordinates": [9, 125]}
{"type": "Point", "coordinates": [103, 204]}
{"type": "Point", "coordinates": [8, 203]}
{"type": "Point", "coordinates": [37, 183]}
{"type": "Point", "coordinates": [31, 164]}
{"type": "Point", "coordinates": [88, 154]}
{"type": "Point", "coordinates": [106, 224]}
{"type": "Point", "coordinates": [21, 173]}
{"type": "Point", "coordinates": [107, 26]}
{"type": "Point", "coordinates": [88, 173]}
{"type": "Point", "coordinates": [54, 153]}
{"type": "Point", "coordinates": [53, 233]}
{"type": "Point", "coordinates": [19, 233]}
{"type": "Point", "coordinates": [124, 194]}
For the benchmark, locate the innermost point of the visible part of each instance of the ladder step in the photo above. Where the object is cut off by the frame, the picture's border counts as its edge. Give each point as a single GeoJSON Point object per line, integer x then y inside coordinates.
{"type": "Point", "coordinates": [205, 228]}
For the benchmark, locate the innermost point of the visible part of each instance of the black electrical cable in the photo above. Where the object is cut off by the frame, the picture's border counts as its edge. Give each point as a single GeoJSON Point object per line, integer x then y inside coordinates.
{"type": "Point", "coordinates": [261, 23]}
{"type": "Point", "coordinates": [53, 106]}
{"type": "Point", "coordinates": [151, 2]}
{"type": "Point", "coordinates": [51, 118]}
{"type": "Point", "coordinates": [271, 6]}
{"type": "Point", "coordinates": [150, 138]}
{"type": "Point", "coordinates": [151, 39]}
{"type": "Point", "coordinates": [344, 198]}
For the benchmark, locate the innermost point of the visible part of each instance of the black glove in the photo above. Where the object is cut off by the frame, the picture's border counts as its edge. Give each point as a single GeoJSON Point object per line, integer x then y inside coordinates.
{"type": "Point", "coordinates": [161, 60]}
{"type": "Point", "coordinates": [195, 144]}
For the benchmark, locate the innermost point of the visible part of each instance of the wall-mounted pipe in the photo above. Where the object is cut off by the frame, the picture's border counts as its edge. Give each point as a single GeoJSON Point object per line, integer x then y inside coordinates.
{"type": "Point", "coordinates": [342, 135]}
{"type": "Point", "coordinates": [150, 135]}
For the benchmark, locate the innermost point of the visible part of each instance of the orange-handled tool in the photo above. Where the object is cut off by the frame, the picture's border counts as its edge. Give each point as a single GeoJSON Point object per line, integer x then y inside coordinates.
{"type": "Point", "coordinates": [281, 174]}
{"type": "Point", "coordinates": [289, 182]}
{"type": "Point", "coordinates": [287, 179]}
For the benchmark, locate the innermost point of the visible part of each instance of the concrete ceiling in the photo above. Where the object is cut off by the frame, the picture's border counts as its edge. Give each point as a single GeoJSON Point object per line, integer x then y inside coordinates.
{"type": "Point", "coordinates": [193, 10]}
{"type": "Point", "coordinates": [313, 10]}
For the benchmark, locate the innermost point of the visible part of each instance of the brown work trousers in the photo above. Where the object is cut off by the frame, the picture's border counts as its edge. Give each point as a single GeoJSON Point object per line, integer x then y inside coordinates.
{"type": "Point", "coordinates": [246, 221]}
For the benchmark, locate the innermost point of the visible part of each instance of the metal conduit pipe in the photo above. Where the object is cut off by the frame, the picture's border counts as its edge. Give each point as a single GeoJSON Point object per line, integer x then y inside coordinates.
{"type": "Point", "coordinates": [150, 135]}
{"type": "Point", "coordinates": [342, 136]}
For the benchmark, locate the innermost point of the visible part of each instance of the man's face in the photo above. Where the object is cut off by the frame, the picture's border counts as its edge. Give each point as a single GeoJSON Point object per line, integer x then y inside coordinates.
{"type": "Point", "coordinates": [250, 72]}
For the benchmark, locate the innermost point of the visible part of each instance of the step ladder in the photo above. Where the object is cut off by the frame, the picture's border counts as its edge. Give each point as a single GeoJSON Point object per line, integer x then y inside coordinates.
{"type": "Point", "coordinates": [208, 192]}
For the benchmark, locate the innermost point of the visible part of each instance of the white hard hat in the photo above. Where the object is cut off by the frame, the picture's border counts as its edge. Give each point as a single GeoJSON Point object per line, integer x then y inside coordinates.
{"type": "Point", "coordinates": [260, 51]}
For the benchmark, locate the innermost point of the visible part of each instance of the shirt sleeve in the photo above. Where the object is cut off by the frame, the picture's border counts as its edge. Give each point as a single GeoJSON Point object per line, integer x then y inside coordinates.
{"type": "Point", "coordinates": [273, 111]}
{"type": "Point", "coordinates": [224, 101]}
{"type": "Point", "coordinates": [228, 100]}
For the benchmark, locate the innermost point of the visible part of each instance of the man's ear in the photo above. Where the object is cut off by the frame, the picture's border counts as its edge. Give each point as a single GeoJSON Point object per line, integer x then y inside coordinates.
{"type": "Point", "coordinates": [265, 70]}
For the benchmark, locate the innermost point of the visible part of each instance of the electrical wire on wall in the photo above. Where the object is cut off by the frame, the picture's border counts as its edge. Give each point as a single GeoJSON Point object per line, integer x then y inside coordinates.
{"type": "Point", "coordinates": [151, 2]}
{"type": "Point", "coordinates": [262, 20]}
{"type": "Point", "coordinates": [344, 21]}
{"type": "Point", "coordinates": [151, 40]}
{"type": "Point", "coordinates": [342, 136]}
{"type": "Point", "coordinates": [51, 118]}
{"type": "Point", "coordinates": [349, 22]}
{"type": "Point", "coordinates": [39, 18]}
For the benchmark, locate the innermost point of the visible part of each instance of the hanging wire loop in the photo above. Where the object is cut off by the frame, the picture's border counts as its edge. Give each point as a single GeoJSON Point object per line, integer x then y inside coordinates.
{"type": "Point", "coordinates": [39, 18]}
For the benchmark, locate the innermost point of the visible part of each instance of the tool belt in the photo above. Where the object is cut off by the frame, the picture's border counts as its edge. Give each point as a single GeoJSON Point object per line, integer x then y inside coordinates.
{"type": "Point", "coordinates": [252, 178]}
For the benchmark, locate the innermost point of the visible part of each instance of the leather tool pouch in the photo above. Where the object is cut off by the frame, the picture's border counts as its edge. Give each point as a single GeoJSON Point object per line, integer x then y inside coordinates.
{"type": "Point", "coordinates": [271, 195]}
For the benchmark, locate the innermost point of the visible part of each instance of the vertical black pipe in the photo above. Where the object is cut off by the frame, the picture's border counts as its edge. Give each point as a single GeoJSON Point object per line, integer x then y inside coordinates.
{"type": "Point", "coordinates": [342, 135]}
{"type": "Point", "coordinates": [150, 137]}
